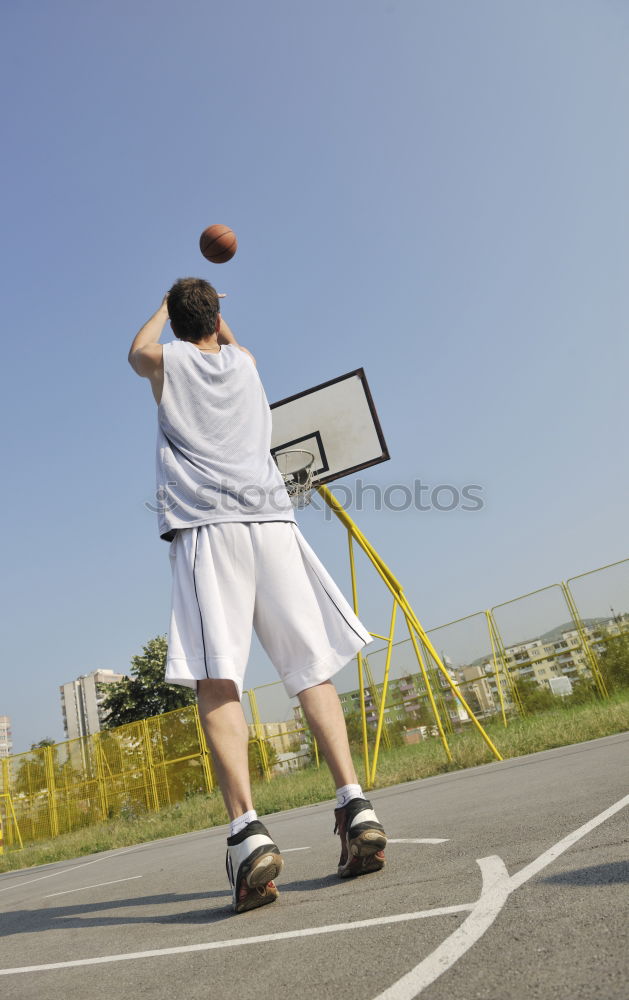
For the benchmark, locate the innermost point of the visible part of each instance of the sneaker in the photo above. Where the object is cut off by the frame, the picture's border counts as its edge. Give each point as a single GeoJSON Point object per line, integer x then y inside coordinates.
{"type": "Point", "coordinates": [362, 839]}
{"type": "Point", "coordinates": [252, 862]}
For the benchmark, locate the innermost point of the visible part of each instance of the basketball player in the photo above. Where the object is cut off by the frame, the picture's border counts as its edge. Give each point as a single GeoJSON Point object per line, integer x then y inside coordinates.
{"type": "Point", "coordinates": [239, 561]}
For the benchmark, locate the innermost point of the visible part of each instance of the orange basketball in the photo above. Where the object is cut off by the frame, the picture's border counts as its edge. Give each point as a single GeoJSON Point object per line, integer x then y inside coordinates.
{"type": "Point", "coordinates": [218, 243]}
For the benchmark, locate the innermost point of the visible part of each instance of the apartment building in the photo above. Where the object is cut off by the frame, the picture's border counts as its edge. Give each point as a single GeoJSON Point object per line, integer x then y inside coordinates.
{"type": "Point", "coordinates": [559, 653]}
{"type": "Point", "coordinates": [281, 735]}
{"type": "Point", "coordinates": [81, 702]}
{"type": "Point", "coordinates": [6, 738]}
{"type": "Point", "coordinates": [549, 660]}
{"type": "Point", "coordinates": [476, 689]}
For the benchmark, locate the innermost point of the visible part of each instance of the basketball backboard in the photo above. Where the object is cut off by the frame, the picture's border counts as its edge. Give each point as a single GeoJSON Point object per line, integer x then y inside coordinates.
{"type": "Point", "coordinates": [336, 421]}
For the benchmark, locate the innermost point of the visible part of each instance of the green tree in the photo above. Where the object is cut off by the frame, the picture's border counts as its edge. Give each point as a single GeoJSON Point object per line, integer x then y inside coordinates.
{"type": "Point", "coordinates": [534, 697]}
{"type": "Point", "coordinates": [145, 692]}
{"type": "Point", "coordinates": [397, 728]}
{"type": "Point", "coordinates": [256, 768]}
{"type": "Point", "coordinates": [583, 690]}
{"type": "Point", "coordinates": [34, 774]}
{"type": "Point", "coordinates": [614, 661]}
{"type": "Point", "coordinates": [354, 724]}
{"type": "Point", "coordinates": [421, 716]}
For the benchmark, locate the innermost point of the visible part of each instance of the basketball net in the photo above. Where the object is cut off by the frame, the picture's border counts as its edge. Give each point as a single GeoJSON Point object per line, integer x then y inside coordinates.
{"type": "Point", "coordinates": [297, 468]}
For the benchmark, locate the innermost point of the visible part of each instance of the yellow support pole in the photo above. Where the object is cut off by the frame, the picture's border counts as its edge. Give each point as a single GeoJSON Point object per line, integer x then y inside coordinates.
{"type": "Point", "coordinates": [453, 687]}
{"type": "Point", "coordinates": [513, 687]}
{"type": "Point", "coordinates": [396, 588]}
{"type": "Point", "coordinates": [377, 697]}
{"type": "Point", "coordinates": [150, 766]}
{"type": "Point", "coordinates": [355, 531]}
{"type": "Point", "coordinates": [264, 760]}
{"type": "Point", "coordinates": [385, 687]}
{"type": "Point", "coordinates": [496, 671]}
{"type": "Point", "coordinates": [599, 680]}
{"type": "Point", "coordinates": [11, 810]}
{"type": "Point", "coordinates": [100, 773]}
{"type": "Point", "coordinates": [52, 792]}
{"type": "Point", "coordinates": [203, 748]}
{"type": "Point", "coordinates": [431, 697]}
{"type": "Point", "coordinates": [161, 763]}
{"type": "Point", "coordinates": [439, 696]}
{"type": "Point", "coordinates": [359, 657]}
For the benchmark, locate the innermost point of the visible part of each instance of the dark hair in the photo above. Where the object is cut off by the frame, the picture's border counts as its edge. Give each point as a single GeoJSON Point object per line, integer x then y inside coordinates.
{"type": "Point", "coordinates": [193, 308]}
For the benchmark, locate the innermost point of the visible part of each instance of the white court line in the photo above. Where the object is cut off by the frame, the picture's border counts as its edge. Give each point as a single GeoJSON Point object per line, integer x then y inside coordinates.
{"type": "Point", "coordinates": [562, 845]}
{"type": "Point", "coordinates": [62, 871]}
{"type": "Point", "coordinates": [494, 894]}
{"type": "Point", "coordinates": [97, 885]}
{"type": "Point", "coordinates": [497, 887]}
{"type": "Point", "coordinates": [237, 942]}
{"type": "Point", "coordinates": [289, 850]}
{"type": "Point", "coordinates": [420, 840]}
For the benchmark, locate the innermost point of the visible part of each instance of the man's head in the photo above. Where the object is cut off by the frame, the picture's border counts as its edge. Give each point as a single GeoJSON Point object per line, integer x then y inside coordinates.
{"type": "Point", "coordinates": [193, 308]}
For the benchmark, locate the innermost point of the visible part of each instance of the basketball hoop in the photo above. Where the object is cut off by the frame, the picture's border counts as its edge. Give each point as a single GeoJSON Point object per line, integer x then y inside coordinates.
{"type": "Point", "coordinates": [297, 469]}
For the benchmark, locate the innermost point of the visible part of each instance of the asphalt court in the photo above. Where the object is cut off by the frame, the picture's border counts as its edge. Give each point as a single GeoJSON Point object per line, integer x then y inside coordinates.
{"type": "Point", "coordinates": [467, 928]}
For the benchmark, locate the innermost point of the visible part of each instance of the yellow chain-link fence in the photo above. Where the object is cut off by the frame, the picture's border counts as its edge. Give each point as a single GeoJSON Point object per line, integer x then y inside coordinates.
{"type": "Point", "coordinates": [133, 769]}
{"type": "Point", "coordinates": [144, 766]}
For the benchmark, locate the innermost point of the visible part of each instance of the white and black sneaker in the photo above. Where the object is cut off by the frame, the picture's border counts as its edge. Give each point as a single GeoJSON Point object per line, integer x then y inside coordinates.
{"type": "Point", "coordinates": [363, 839]}
{"type": "Point", "coordinates": [252, 862]}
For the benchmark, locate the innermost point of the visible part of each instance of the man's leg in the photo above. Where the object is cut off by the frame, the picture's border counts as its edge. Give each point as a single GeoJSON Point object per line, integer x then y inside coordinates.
{"type": "Point", "coordinates": [323, 711]}
{"type": "Point", "coordinates": [227, 735]}
{"type": "Point", "coordinates": [253, 860]}
{"type": "Point", "coordinates": [362, 836]}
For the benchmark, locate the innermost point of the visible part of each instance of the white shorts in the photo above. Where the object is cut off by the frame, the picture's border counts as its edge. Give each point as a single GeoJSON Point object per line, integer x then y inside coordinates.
{"type": "Point", "coordinates": [230, 576]}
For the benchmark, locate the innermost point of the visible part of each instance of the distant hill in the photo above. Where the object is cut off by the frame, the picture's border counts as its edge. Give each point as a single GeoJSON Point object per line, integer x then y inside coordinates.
{"type": "Point", "coordinates": [551, 636]}
{"type": "Point", "coordinates": [555, 633]}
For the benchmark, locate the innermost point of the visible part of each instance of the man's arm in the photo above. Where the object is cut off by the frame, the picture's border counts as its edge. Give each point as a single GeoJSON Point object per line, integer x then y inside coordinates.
{"type": "Point", "coordinates": [145, 354]}
{"type": "Point", "coordinates": [226, 336]}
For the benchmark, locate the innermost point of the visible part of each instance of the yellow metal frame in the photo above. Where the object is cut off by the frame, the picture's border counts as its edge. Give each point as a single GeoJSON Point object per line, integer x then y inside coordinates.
{"type": "Point", "coordinates": [599, 680]}
{"type": "Point", "coordinates": [255, 715]}
{"type": "Point", "coordinates": [501, 664]}
{"type": "Point", "coordinates": [52, 790]}
{"type": "Point", "coordinates": [417, 634]}
{"type": "Point", "coordinates": [6, 798]}
{"type": "Point", "coordinates": [578, 625]}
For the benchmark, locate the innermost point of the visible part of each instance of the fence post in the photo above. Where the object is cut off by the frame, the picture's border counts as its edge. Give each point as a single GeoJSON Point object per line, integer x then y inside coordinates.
{"type": "Point", "coordinates": [264, 760]}
{"type": "Point", "coordinates": [100, 774]}
{"type": "Point", "coordinates": [587, 649]}
{"type": "Point", "coordinates": [11, 836]}
{"type": "Point", "coordinates": [379, 703]}
{"type": "Point", "coordinates": [513, 687]}
{"type": "Point", "coordinates": [203, 750]}
{"type": "Point", "coordinates": [149, 766]}
{"type": "Point", "coordinates": [385, 686]}
{"type": "Point", "coordinates": [52, 791]}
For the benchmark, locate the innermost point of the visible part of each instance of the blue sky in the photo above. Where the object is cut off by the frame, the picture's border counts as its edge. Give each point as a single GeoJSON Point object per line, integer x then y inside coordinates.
{"type": "Point", "coordinates": [436, 192]}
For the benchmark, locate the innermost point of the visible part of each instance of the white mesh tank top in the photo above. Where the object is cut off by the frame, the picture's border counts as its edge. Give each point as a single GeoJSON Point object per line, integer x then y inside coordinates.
{"type": "Point", "coordinates": [213, 442]}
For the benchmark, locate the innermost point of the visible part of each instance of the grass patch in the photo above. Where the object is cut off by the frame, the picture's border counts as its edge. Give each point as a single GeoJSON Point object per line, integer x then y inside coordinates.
{"type": "Point", "coordinates": [543, 731]}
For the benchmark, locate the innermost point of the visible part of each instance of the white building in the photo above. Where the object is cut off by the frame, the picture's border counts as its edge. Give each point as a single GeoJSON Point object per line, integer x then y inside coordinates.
{"type": "Point", "coordinates": [81, 702]}
{"type": "Point", "coordinates": [6, 741]}
{"type": "Point", "coordinates": [560, 685]}
{"type": "Point", "coordinates": [557, 655]}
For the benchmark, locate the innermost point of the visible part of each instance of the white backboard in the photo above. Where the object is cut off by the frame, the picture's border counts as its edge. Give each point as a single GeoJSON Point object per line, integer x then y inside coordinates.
{"type": "Point", "coordinates": [336, 422]}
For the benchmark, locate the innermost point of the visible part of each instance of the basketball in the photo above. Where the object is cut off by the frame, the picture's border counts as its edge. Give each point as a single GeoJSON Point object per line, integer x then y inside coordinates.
{"type": "Point", "coordinates": [218, 244]}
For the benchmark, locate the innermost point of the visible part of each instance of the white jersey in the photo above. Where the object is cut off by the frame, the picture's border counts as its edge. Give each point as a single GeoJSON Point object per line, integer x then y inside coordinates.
{"type": "Point", "coordinates": [213, 442]}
